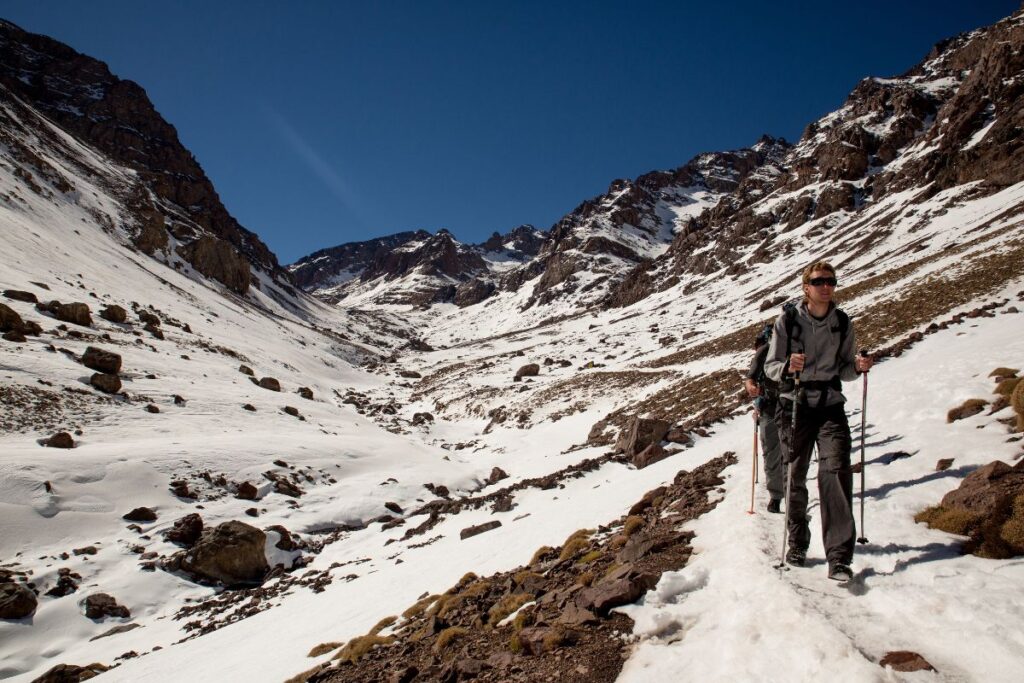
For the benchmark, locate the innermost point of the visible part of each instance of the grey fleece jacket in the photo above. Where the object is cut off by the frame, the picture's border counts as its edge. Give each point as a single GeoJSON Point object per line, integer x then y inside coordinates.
{"type": "Point", "coordinates": [819, 340]}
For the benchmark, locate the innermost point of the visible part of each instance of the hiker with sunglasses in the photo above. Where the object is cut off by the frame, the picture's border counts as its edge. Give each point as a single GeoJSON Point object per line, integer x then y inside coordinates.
{"type": "Point", "coordinates": [811, 354]}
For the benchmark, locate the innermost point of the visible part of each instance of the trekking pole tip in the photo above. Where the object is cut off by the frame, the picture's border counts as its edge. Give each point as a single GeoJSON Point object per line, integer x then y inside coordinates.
{"type": "Point", "coordinates": [862, 540]}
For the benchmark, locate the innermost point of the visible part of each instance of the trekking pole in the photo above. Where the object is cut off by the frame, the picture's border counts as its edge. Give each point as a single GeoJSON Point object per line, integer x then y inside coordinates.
{"type": "Point", "coordinates": [789, 469]}
{"type": "Point", "coordinates": [753, 479]}
{"type": "Point", "coordinates": [863, 420]}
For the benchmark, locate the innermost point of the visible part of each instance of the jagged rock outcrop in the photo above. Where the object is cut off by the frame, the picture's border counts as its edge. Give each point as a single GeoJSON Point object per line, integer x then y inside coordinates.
{"type": "Point", "coordinates": [115, 116]}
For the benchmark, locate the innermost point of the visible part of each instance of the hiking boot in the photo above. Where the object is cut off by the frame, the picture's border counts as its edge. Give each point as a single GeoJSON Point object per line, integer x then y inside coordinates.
{"type": "Point", "coordinates": [775, 505]}
{"type": "Point", "coordinates": [837, 571]}
{"type": "Point", "coordinates": [796, 557]}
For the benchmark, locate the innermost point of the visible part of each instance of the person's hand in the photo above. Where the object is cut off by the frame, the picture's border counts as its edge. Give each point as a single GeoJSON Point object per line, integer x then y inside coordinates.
{"type": "Point", "coordinates": [796, 362]}
{"type": "Point", "coordinates": [753, 391]}
{"type": "Point", "coordinates": [863, 363]}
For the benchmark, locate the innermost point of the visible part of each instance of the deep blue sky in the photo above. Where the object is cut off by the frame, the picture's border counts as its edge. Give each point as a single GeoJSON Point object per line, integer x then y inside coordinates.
{"type": "Point", "coordinates": [328, 122]}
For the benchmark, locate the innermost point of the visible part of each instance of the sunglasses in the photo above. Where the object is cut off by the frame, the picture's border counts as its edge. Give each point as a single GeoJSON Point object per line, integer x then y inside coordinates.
{"type": "Point", "coordinates": [820, 281]}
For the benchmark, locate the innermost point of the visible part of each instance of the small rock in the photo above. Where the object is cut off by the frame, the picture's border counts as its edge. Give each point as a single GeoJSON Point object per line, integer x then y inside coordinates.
{"type": "Point", "coordinates": [496, 475]}
{"type": "Point", "coordinates": [944, 464]}
{"type": "Point", "coordinates": [245, 370]}
{"type": "Point", "coordinates": [107, 383]}
{"type": "Point", "coordinates": [19, 295]}
{"type": "Point", "coordinates": [528, 370]}
{"type": "Point", "coordinates": [270, 383]}
{"type": "Point", "coordinates": [246, 491]}
{"type": "Point", "coordinates": [142, 514]}
{"type": "Point", "coordinates": [305, 392]}
{"type": "Point", "coordinates": [905, 660]}
{"type": "Point", "coordinates": [291, 410]}
{"type": "Point", "coordinates": [422, 418]}
{"type": "Point", "coordinates": [250, 407]}
{"type": "Point", "coordinates": [60, 440]}
{"type": "Point", "coordinates": [152, 408]}
{"type": "Point", "coordinates": [87, 550]}
{"type": "Point", "coordinates": [100, 605]}
{"type": "Point", "coordinates": [394, 507]}
{"type": "Point", "coordinates": [469, 532]}
{"type": "Point", "coordinates": [16, 601]}
{"type": "Point", "coordinates": [114, 313]}
{"type": "Point", "coordinates": [179, 400]}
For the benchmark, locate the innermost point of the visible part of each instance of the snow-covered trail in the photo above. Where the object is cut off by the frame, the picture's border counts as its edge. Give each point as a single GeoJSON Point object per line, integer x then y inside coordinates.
{"type": "Point", "coordinates": [729, 615]}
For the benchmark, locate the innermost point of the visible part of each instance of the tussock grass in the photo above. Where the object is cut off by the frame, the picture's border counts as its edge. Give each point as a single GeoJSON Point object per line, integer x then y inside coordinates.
{"type": "Point", "coordinates": [356, 648]}
{"type": "Point", "coordinates": [971, 406]}
{"type": "Point", "coordinates": [633, 524]}
{"type": "Point", "coordinates": [449, 636]}
{"type": "Point", "coordinates": [954, 520]}
{"type": "Point", "coordinates": [506, 606]}
{"type": "Point", "coordinates": [418, 608]}
{"type": "Point", "coordinates": [573, 548]}
{"type": "Point", "coordinates": [383, 624]}
{"type": "Point", "coordinates": [590, 557]}
{"type": "Point", "coordinates": [324, 648]}
{"type": "Point", "coordinates": [540, 554]}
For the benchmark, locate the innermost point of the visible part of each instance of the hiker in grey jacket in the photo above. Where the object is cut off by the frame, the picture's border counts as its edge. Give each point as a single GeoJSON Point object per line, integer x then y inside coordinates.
{"type": "Point", "coordinates": [815, 343]}
{"type": "Point", "coordinates": [765, 395]}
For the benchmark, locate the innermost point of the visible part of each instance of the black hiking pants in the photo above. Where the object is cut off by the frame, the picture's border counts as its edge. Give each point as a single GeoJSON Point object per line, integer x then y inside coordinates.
{"type": "Point", "coordinates": [828, 428]}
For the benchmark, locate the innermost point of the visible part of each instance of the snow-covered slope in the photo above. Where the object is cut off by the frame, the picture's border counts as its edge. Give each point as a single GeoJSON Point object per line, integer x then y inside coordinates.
{"type": "Point", "coordinates": [401, 398]}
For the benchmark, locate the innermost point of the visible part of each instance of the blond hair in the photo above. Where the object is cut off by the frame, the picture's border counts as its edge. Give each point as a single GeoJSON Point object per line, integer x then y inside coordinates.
{"type": "Point", "coordinates": [805, 277]}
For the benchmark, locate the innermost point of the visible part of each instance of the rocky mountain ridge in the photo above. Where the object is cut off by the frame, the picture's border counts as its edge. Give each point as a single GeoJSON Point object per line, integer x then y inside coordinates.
{"type": "Point", "coordinates": [171, 202]}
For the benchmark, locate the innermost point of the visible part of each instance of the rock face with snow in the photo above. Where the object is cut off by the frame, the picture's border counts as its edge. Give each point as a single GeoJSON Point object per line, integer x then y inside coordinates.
{"type": "Point", "coordinates": [172, 199]}
{"type": "Point", "coordinates": [415, 267]}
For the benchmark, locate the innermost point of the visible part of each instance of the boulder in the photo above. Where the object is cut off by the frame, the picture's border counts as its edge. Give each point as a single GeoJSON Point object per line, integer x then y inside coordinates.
{"type": "Point", "coordinates": [10, 321]}
{"type": "Point", "coordinates": [16, 601]}
{"type": "Point", "coordinates": [15, 336]}
{"type": "Point", "coordinates": [528, 370]}
{"type": "Point", "coordinates": [496, 475]}
{"type": "Point", "coordinates": [75, 313]}
{"type": "Point", "coordinates": [471, 531]}
{"type": "Point", "coordinates": [60, 440]}
{"type": "Point", "coordinates": [19, 295]}
{"type": "Point", "coordinates": [983, 490]}
{"type": "Point", "coordinates": [649, 456]}
{"type": "Point", "coordinates": [114, 313]}
{"type": "Point", "coordinates": [270, 383]}
{"type": "Point", "coordinates": [148, 318]}
{"type": "Point", "coordinates": [107, 383]}
{"type": "Point", "coordinates": [71, 673]}
{"type": "Point", "coordinates": [905, 661]}
{"type": "Point", "coordinates": [101, 360]}
{"type": "Point", "coordinates": [640, 433]}
{"type": "Point", "coordinates": [186, 531]}
{"type": "Point", "coordinates": [230, 553]}
{"type": "Point", "coordinates": [142, 514]}
{"type": "Point", "coordinates": [422, 418]}
{"type": "Point", "coordinates": [246, 491]}
{"type": "Point", "coordinates": [100, 605]}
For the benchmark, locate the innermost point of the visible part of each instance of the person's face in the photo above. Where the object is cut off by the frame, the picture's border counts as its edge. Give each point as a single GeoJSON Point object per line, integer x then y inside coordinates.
{"type": "Point", "coordinates": [821, 287]}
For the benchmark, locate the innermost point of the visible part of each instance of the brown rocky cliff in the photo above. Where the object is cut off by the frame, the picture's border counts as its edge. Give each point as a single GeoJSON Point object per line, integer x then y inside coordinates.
{"type": "Point", "coordinates": [115, 116]}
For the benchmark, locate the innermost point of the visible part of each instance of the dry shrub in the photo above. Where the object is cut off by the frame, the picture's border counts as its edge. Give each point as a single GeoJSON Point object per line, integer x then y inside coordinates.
{"type": "Point", "coordinates": [1004, 372]}
{"type": "Point", "coordinates": [633, 524]}
{"type": "Point", "coordinates": [506, 606]}
{"type": "Point", "coordinates": [521, 577]}
{"type": "Point", "coordinates": [1013, 530]}
{"type": "Point", "coordinates": [971, 406]}
{"type": "Point", "coordinates": [1017, 397]}
{"type": "Point", "coordinates": [304, 676]}
{"type": "Point", "coordinates": [467, 578]}
{"type": "Point", "coordinates": [417, 609]}
{"type": "Point", "coordinates": [449, 636]}
{"type": "Point", "coordinates": [954, 520]}
{"type": "Point", "coordinates": [357, 647]}
{"type": "Point", "coordinates": [573, 548]}
{"type": "Point", "coordinates": [1006, 387]}
{"type": "Point", "coordinates": [586, 578]}
{"type": "Point", "coordinates": [383, 624]}
{"type": "Point", "coordinates": [542, 551]}
{"type": "Point", "coordinates": [515, 645]}
{"type": "Point", "coordinates": [555, 637]}
{"type": "Point", "coordinates": [579, 533]}
{"type": "Point", "coordinates": [590, 557]}
{"type": "Point", "coordinates": [525, 618]}
{"type": "Point", "coordinates": [324, 648]}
